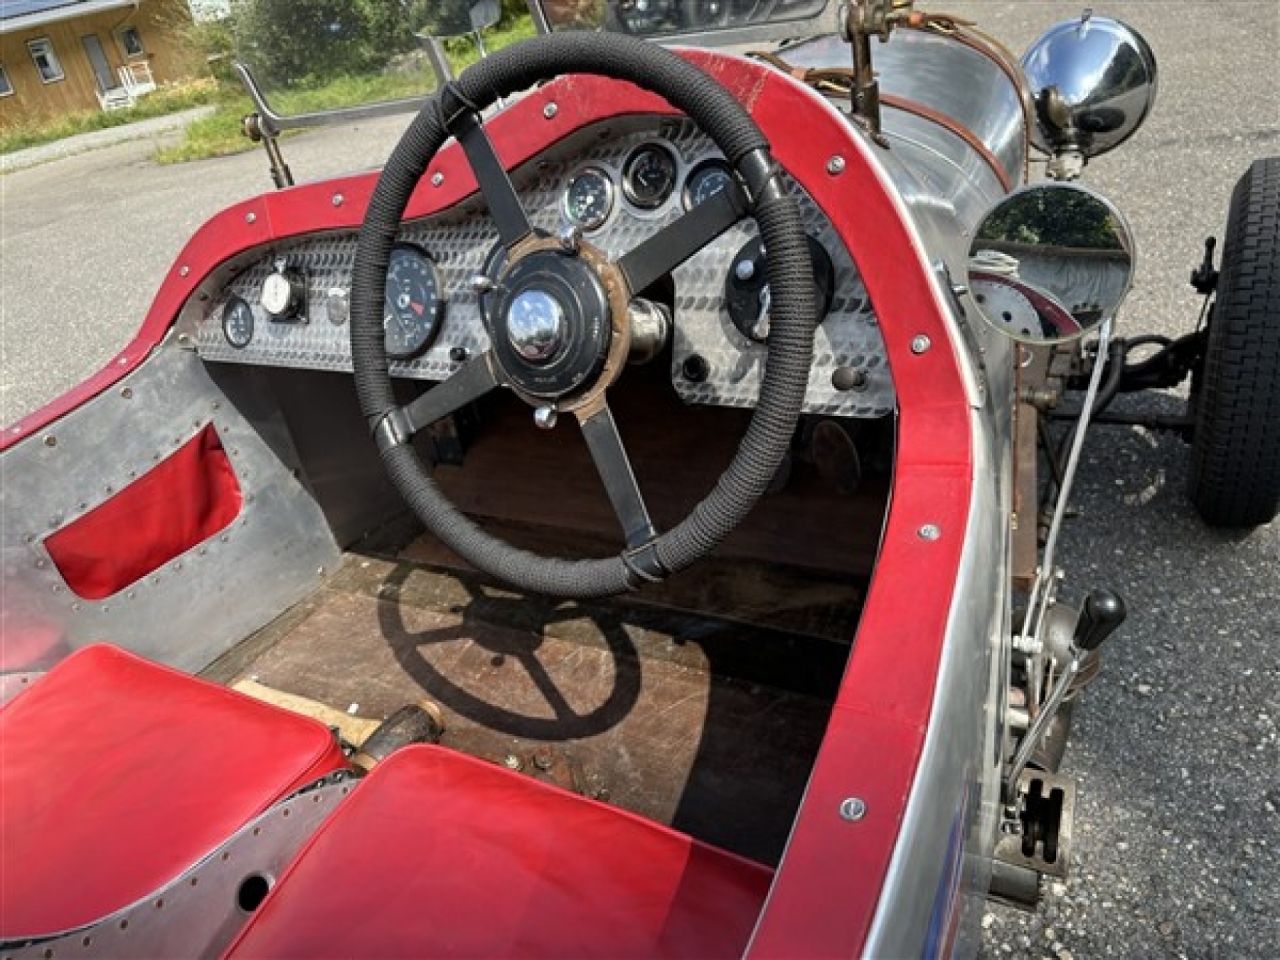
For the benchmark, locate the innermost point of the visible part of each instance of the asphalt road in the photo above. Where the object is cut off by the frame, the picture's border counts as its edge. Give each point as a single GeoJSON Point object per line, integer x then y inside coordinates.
{"type": "Point", "coordinates": [1176, 747]}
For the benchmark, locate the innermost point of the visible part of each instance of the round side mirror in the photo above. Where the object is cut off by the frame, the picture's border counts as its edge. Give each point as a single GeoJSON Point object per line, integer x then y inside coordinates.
{"type": "Point", "coordinates": [1093, 81]}
{"type": "Point", "coordinates": [1050, 262]}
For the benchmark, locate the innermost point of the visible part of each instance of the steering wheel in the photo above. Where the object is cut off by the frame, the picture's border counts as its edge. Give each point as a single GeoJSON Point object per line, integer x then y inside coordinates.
{"type": "Point", "coordinates": [562, 319]}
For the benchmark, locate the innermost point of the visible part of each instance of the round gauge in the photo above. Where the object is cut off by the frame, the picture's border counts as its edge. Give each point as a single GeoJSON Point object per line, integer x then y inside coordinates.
{"type": "Point", "coordinates": [412, 309]}
{"type": "Point", "coordinates": [588, 199]}
{"type": "Point", "coordinates": [649, 176]}
{"type": "Point", "coordinates": [705, 181]}
{"type": "Point", "coordinates": [237, 322]}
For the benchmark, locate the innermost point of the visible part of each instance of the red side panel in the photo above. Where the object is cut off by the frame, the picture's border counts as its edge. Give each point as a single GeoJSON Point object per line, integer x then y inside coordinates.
{"type": "Point", "coordinates": [181, 503]}
{"type": "Point", "coordinates": [441, 855]}
{"type": "Point", "coordinates": [117, 774]}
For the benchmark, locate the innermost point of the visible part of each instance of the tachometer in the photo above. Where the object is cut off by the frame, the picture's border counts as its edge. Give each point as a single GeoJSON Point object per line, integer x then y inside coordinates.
{"type": "Point", "coordinates": [412, 310]}
{"type": "Point", "coordinates": [705, 181]}
{"type": "Point", "coordinates": [588, 199]}
{"type": "Point", "coordinates": [237, 322]}
{"type": "Point", "coordinates": [649, 176]}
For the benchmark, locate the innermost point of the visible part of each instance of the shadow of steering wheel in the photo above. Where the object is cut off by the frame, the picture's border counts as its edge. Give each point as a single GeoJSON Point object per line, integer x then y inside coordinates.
{"type": "Point", "coordinates": [487, 621]}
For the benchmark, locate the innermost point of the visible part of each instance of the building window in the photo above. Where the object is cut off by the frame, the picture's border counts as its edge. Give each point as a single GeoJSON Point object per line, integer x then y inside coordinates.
{"type": "Point", "coordinates": [6, 88]}
{"type": "Point", "coordinates": [131, 42]}
{"type": "Point", "coordinates": [45, 59]}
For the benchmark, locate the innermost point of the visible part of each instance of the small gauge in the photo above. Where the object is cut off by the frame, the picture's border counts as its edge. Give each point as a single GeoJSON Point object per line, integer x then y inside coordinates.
{"type": "Point", "coordinates": [705, 181]}
{"type": "Point", "coordinates": [649, 176]}
{"type": "Point", "coordinates": [284, 294]}
{"type": "Point", "coordinates": [588, 200]}
{"type": "Point", "coordinates": [412, 309]}
{"type": "Point", "coordinates": [237, 322]}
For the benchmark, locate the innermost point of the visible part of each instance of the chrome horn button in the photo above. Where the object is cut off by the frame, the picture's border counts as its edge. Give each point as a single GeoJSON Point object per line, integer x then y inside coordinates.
{"type": "Point", "coordinates": [536, 325]}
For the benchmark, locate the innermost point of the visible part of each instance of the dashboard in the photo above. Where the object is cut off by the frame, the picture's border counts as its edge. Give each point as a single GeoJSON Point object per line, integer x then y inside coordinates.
{"type": "Point", "coordinates": [289, 305]}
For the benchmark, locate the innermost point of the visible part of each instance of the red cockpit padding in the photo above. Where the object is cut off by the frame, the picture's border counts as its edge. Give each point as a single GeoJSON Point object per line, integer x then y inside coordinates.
{"type": "Point", "coordinates": [438, 854]}
{"type": "Point", "coordinates": [177, 505]}
{"type": "Point", "coordinates": [116, 775]}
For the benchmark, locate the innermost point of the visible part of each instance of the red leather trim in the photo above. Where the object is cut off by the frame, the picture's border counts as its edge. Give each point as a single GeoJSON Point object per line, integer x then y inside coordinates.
{"type": "Point", "coordinates": [438, 854]}
{"type": "Point", "coordinates": [177, 505]}
{"type": "Point", "coordinates": [118, 774]}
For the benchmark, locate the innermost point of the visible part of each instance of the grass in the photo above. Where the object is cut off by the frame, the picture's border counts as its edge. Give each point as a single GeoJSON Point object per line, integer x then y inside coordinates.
{"type": "Point", "coordinates": [170, 98]}
{"type": "Point", "coordinates": [219, 134]}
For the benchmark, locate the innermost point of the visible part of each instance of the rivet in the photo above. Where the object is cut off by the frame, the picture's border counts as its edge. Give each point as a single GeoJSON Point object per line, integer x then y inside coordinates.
{"type": "Point", "coordinates": [550, 110]}
{"type": "Point", "coordinates": [437, 179]}
{"type": "Point", "coordinates": [835, 166]}
{"type": "Point", "coordinates": [250, 217]}
{"type": "Point", "coordinates": [853, 808]}
{"type": "Point", "coordinates": [920, 343]}
{"type": "Point", "coordinates": [123, 362]}
{"type": "Point", "coordinates": [184, 271]}
{"type": "Point", "coordinates": [511, 762]}
{"type": "Point", "coordinates": [338, 199]}
{"type": "Point", "coordinates": [127, 393]}
{"type": "Point", "coordinates": [75, 607]}
{"type": "Point", "coordinates": [51, 441]}
{"type": "Point", "coordinates": [930, 531]}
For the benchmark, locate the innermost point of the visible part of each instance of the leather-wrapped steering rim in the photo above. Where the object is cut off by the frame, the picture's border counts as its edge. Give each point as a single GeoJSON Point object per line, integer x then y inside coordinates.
{"type": "Point", "coordinates": [455, 110]}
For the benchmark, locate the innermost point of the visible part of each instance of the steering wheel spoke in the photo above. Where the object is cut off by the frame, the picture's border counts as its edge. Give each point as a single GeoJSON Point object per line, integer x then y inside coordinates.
{"type": "Point", "coordinates": [678, 241]}
{"type": "Point", "coordinates": [614, 467]}
{"type": "Point", "coordinates": [495, 185]}
{"type": "Point", "coordinates": [470, 383]}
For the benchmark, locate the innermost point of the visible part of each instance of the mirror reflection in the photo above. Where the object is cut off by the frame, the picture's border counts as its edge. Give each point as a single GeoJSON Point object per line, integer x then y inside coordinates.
{"type": "Point", "coordinates": [1050, 262]}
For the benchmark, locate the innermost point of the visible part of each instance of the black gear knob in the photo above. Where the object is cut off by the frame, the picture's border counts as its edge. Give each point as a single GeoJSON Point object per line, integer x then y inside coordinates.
{"type": "Point", "coordinates": [1101, 615]}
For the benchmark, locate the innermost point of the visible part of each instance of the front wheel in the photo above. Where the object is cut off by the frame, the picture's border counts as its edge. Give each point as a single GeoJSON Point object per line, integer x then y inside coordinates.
{"type": "Point", "coordinates": [1235, 457]}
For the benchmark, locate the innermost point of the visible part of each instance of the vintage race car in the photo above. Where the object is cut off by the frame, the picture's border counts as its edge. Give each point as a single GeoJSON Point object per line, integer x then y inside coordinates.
{"type": "Point", "coordinates": [787, 673]}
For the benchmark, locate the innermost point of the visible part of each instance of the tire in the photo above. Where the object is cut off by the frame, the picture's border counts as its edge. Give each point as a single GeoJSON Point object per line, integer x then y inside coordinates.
{"type": "Point", "coordinates": [1235, 454]}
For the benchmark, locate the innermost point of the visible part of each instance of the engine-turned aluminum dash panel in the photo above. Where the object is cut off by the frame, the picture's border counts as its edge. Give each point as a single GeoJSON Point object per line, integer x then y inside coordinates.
{"type": "Point", "coordinates": [850, 374]}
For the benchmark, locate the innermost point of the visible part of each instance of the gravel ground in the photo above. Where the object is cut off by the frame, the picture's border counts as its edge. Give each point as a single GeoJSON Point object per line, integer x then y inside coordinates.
{"type": "Point", "coordinates": [1175, 748]}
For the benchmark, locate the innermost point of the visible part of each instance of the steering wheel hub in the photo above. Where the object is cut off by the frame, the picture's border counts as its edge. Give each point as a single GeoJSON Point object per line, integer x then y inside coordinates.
{"type": "Point", "coordinates": [552, 327]}
{"type": "Point", "coordinates": [536, 325]}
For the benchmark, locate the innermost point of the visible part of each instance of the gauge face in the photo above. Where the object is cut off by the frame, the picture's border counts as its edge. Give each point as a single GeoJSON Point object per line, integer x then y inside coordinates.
{"type": "Point", "coordinates": [412, 308]}
{"type": "Point", "coordinates": [237, 323]}
{"type": "Point", "coordinates": [649, 176]}
{"type": "Point", "coordinates": [589, 198]}
{"type": "Point", "coordinates": [705, 181]}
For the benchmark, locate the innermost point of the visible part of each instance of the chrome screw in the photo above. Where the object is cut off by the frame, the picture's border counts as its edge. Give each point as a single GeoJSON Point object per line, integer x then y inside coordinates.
{"type": "Point", "coordinates": [545, 417]}
{"type": "Point", "coordinates": [920, 344]}
{"type": "Point", "coordinates": [338, 199]}
{"type": "Point", "coordinates": [570, 239]}
{"type": "Point", "coordinates": [550, 110]}
{"type": "Point", "coordinates": [835, 166]}
{"type": "Point", "coordinates": [744, 270]}
{"type": "Point", "coordinates": [250, 218]}
{"type": "Point", "coordinates": [930, 531]}
{"type": "Point", "coordinates": [437, 179]}
{"type": "Point", "coordinates": [853, 809]}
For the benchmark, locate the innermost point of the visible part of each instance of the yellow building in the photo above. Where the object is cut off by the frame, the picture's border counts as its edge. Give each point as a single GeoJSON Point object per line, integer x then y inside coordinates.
{"type": "Point", "coordinates": [60, 56]}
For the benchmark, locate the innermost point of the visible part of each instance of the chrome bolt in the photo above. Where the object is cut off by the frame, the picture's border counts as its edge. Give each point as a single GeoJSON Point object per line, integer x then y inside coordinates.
{"type": "Point", "coordinates": [920, 344]}
{"type": "Point", "coordinates": [853, 809]}
{"type": "Point", "coordinates": [250, 218]}
{"type": "Point", "coordinates": [570, 239]}
{"type": "Point", "coordinates": [437, 179]}
{"type": "Point", "coordinates": [184, 271]}
{"type": "Point", "coordinates": [835, 166]}
{"type": "Point", "coordinates": [744, 269]}
{"type": "Point", "coordinates": [481, 283]}
{"type": "Point", "coordinates": [930, 531]}
{"type": "Point", "coordinates": [545, 417]}
{"type": "Point", "coordinates": [338, 199]}
{"type": "Point", "coordinates": [511, 762]}
{"type": "Point", "coordinates": [550, 110]}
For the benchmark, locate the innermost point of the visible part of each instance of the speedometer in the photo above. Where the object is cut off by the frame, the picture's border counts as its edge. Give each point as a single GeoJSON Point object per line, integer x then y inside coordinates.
{"type": "Point", "coordinates": [412, 310]}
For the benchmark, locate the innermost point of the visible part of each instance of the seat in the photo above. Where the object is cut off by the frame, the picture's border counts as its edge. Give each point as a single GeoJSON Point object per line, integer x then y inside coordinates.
{"type": "Point", "coordinates": [437, 854]}
{"type": "Point", "coordinates": [117, 775]}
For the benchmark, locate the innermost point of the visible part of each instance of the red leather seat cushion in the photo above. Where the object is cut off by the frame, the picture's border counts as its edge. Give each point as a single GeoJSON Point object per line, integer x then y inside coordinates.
{"type": "Point", "coordinates": [117, 774]}
{"type": "Point", "coordinates": [437, 854]}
